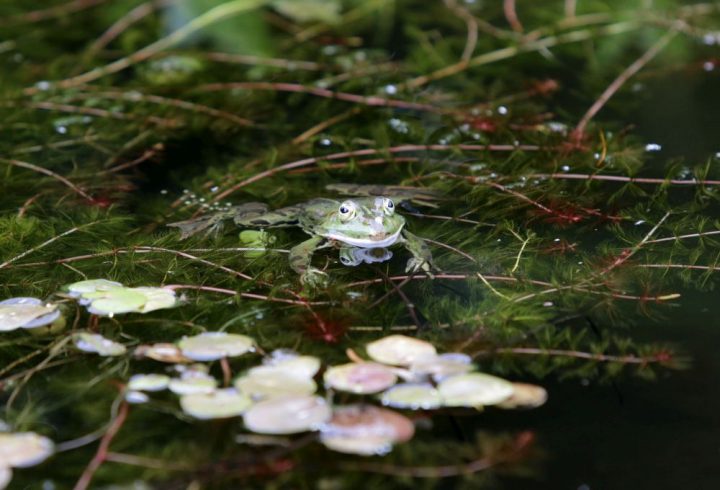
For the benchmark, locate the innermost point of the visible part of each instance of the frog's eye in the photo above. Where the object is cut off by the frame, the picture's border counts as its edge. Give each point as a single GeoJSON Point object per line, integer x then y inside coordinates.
{"type": "Point", "coordinates": [347, 210]}
{"type": "Point", "coordinates": [388, 206]}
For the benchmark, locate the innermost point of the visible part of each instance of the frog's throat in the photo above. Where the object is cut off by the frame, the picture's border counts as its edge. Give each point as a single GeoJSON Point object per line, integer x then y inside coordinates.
{"type": "Point", "coordinates": [366, 242]}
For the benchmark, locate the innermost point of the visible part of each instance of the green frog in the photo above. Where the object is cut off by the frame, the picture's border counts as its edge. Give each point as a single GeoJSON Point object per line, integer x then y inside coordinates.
{"type": "Point", "coordinates": [368, 222]}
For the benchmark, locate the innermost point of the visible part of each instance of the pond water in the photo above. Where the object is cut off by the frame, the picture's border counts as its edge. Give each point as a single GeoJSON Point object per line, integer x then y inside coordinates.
{"type": "Point", "coordinates": [549, 243]}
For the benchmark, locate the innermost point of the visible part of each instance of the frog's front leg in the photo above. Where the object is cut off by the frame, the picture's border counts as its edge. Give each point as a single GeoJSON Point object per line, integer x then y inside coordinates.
{"type": "Point", "coordinates": [301, 258]}
{"type": "Point", "coordinates": [421, 256]}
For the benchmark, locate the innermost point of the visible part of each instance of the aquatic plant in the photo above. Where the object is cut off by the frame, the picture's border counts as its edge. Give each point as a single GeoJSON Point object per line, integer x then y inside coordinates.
{"type": "Point", "coordinates": [558, 228]}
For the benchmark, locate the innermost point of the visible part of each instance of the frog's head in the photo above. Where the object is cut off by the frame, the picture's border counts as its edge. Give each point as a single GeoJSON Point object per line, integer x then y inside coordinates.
{"type": "Point", "coordinates": [367, 223]}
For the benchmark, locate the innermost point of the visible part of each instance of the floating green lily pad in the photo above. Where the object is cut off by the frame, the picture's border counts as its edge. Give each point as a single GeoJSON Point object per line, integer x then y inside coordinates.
{"type": "Point", "coordinates": [474, 390]}
{"type": "Point", "coordinates": [412, 396]}
{"type": "Point", "coordinates": [268, 381]}
{"type": "Point", "coordinates": [400, 350]}
{"type": "Point", "coordinates": [360, 377]}
{"type": "Point", "coordinates": [287, 414]}
{"type": "Point", "coordinates": [306, 366]}
{"type": "Point", "coordinates": [193, 383]}
{"type": "Point", "coordinates": [148, 382]}
{"type": "Point", "coordinates": [210, 346]}
{"type": "Point", "coordinates": [92, 342]}
{"type": "Point", "coordinates": [219, 404]}
{"type": "Point", "coordinates": [162, 352]}
{"type": "Point", "coordinates": [365, 430]}
{"type": "Point", "coordinates": [156, 298]}
{"type": "Point", "coordinates": [91, 286]}
{"type": "Point", "coordinates": [114, 301]}
{"type": "Point", "coordinates": [442, 366]}
{"type": "Point", "coordinates": [525, 396]}
{"type": "Point", "coordinates": [26, 313]}
{"type": "Point", "coordinates": [23, 449]}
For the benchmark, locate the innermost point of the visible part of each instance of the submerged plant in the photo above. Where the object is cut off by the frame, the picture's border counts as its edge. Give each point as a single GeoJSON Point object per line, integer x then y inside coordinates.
{"type": "Point", "coordinates": [549, 228]}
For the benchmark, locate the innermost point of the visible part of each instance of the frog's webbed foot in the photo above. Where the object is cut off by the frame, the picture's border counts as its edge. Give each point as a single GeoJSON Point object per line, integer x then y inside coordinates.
{"type": "Point", "coordinates": [300, 259]}
{"type": "Point", "coordinates": [421, 256]}
{"type": "Point", "coordinates": [211, 223]}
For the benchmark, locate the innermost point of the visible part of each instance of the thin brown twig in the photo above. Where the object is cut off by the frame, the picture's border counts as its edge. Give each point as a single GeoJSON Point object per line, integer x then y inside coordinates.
{"type": "Point", "coordinates": [511, 15]}
{"type": "Point", "coordinates": [50, 173]}
{"type": "Point", "coordinates": [102, 451]}
{"type": "Point", "coordinates": [621, 178]}
{"type": "Point", "coordinates": [471, 25]}
{"type": "Point", "coordinates": [628, 359]}
{"type": "Point", "coordinates": [51, 12]}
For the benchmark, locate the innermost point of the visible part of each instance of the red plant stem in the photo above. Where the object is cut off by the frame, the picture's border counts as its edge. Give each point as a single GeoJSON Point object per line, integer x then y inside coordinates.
{"type": "Point", "coordinates": [368, 151]}
{"type": "Point", "coordinates": [621, 178]}
{"type": "Point", "coordinates": [319, 92]}
{"type": "Point", "coordinates": [227, 372]}
{"type": "Point", "coordinates": [511, 15]}
{"type": "Point", "coordinates": [629, 359]}
{"type": "Point", "coordinates": [231, 292]}
{"type": "Point", "coordinates": [56, 11]}
{"type": "Point", "coordinates": [621, 79]}
{"type": "Point", "coordinates": [101, 454]}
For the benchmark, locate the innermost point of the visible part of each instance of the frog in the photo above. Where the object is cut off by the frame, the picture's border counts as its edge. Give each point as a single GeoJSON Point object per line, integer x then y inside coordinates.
{"type": "Point", "coordinates": [369, 221]}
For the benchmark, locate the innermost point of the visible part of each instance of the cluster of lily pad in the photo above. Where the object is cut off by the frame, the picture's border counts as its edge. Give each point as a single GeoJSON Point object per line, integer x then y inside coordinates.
{"type": "Point", "coordinates": [21, 450]}
{"type": "Point", "coordinates": [28, 313]}
{"type": "Point", "coordinates": [108, 298]}
{"type": "Point", "coordinates": [280, 395]}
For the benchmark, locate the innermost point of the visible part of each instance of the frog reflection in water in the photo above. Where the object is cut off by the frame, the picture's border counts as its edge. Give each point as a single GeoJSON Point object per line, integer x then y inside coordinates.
{"type": "Point", "coordinates": [360, 223]}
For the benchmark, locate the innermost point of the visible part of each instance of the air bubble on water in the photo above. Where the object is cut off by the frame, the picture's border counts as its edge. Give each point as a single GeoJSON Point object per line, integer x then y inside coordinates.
{"type": "Point", "coordinates": [708, 66]}
{"type": "Point", "coordinates": [710, 38]}
{"type": "Point", "coordinates": [557, 127]}
{"type": "Point", "coordinates": [214, 188]}
{"type": "Point", "coordinates": [61, 129]}
{"type": "Point", "coordinates": [565, 168]}
{"type": "Point", "coordinates": [43, 85]}
{"type": "Point", "coordinates": [185, 191]}
{"type": "Point", "coordinates": [548, 304]}
{"type": "Point", "coordinates": [556, 240]}
{"type": "Point", "coordinates": [390, 89]}
{"type": "Point", "coordinates": [325, 142]}
{"type": "Point", "coordinates": [399, 126]}
{"type": "Point", "coordinates": [596, 156]}
{"type": "Point", "coordinates": [653, 147]}
{"type": "Point", "coordinates": [163, 191]}
{"type": "Point", "coordinates": [640, 222]}
{"type": "Point", "coordinates": [502, 110]}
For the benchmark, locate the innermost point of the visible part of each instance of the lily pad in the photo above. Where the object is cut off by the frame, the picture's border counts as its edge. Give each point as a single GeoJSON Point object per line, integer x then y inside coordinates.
{"type": "Point", "coordinates": [474, 390]}
{"type": "Point", "coordinates": [288, 414]}
{"type": "Point", "coordinates": [5, 476]}
{"type": "Point", "coordinates": [136, 397]}
{"type": "Point", "coordinates": [412, 396]}
{"type": "Point", "coordinates": [219, 404]}
{"type": "Point", "coordinates": [365, 430]}
{"type": "Point", "coordinates": [193, 382]}
{"type": "Point", "coordinates": [92, 342]}
{"type": "Point", "coordinates": [400, 350]}
{"type": "Point", "coordinates": [210, 346]}
{"type": "Point", "coordinates": [156, 298]}
{"type": "Point", "coordinates": [23, 449]}
{"type": "Point", "coordinates": [306, 366]}
{"type": "Point", "coordinates": [114, 301]}
{"type": "Point", "coordinates": [148, 382]}
{"type": "Point", "coordinates": [442, 366]}
{"type": "Point", "coordinates": [525, 395]}
{"type": "Point", "coordinates": [26, 313]}
{"type": "Point", "coordinates": [360, 378]}
{"type": "Point", "coordinates": [268, 381]}
{"type": "Point", "coordinates": [90, 286]}
{"type": "Point", "coordinates": [162, 352]}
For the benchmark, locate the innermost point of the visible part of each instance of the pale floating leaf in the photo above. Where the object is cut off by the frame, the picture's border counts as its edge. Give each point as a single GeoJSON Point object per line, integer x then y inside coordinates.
{"type": "Point", "coordinates": [360, 378]}
{"type": "Point", "coordinates": [96, 343]}
{"type": "Point", "coordinates": [26, 313]}
{"type": "Point", "coordinates": [90, 286]}
{"type": "Point", "coordinates": [306, 366]}
{"type": "Point", "coordinates": [114, 301]}
{"type": "Point", "coordinates": [23, 449]}
{"type": "Point", "coordinates": [193, 383]}
{"type": "Point", "coordinates": [219, 404]}
{"type": "Point", "coordinates": [525, 395]}
{"type": "Point", "coordinates": [399, 350]}
{"type": "Point", "coordinates": [148, 382]}
{"type": "Point", "coordinates": [365, 430]}
{"type": "Point", "coordinates": [211, 346]}
{"type": "Point", "coordinates": [288, 414]}
{"type": "Point", "coordinates": [156, 298]}
{"type": "Point", "coordinates": [5, 476]}
{"type": "Point", "coordinates": [442, 366]}
{"type": "Point", "coordinates": [474, 390]}
{"type": "Point", "coordinates": [269, 381]}
{"type": "Point", "coordinates": [412, 396]}
{"type": "Point", "coordinates": [162, 352]}
{"type": "Point", "coordinates": [136, 397]}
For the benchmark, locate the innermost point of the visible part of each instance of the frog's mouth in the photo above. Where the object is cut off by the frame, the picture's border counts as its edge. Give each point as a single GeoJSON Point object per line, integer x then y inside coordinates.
{"type": "Point", "coordinates": [373, 241]}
